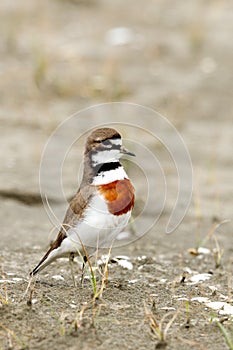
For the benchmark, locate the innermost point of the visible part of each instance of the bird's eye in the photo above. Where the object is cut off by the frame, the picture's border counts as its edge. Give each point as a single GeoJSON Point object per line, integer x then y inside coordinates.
{"type": "Point", "coordinates": [107, 143]}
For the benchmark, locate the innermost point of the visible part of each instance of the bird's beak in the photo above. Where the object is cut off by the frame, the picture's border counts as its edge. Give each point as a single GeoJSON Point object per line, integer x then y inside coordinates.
{"type": "Point", "coordinates": [125, 151]}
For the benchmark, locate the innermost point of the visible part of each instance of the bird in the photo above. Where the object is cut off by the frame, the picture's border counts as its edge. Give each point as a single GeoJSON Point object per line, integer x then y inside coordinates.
{"type": "Point", "coordinates": [102, 206]}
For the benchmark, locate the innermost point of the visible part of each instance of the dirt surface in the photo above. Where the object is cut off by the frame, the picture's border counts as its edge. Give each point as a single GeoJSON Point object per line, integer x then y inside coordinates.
{"type": "Point", "coordinates": [58, 57]}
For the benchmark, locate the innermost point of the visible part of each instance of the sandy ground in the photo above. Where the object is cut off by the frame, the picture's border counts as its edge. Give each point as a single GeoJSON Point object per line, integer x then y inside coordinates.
{"type": "Point", "coordinates": [58, 57]}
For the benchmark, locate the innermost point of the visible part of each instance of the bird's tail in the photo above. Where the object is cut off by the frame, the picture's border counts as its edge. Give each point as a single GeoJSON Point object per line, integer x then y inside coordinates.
{"type": "Point", "coordinates": [52, 254]}
{"type": "Point", "coordinates": [49, 257]}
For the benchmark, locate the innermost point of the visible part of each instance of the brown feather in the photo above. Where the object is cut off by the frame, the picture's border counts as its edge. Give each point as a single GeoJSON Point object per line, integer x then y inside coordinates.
{"type": "Point", "coordinates": [73, 215]}
{"type": "Point", "coordinates": [119, 195]}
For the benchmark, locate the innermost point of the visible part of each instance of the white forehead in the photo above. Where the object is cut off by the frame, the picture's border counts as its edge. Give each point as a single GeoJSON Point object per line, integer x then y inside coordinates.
{"type": "Point", "coordinates": [116, 141]}
{"type": "Point", "coordinates": [112, 155]}
{"type": "Point", "coordinates": [113, 141]}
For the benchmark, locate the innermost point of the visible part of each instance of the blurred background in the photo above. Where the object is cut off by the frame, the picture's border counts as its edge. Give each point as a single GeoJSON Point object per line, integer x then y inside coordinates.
{"type": "Point", "coordinates": [59, 56]}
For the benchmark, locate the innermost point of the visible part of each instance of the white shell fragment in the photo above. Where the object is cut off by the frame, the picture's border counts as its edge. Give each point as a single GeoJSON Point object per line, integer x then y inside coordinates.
{"type": "Point", "coordinates": [208, 65]}
{"type": "Point", "coordinates": [213, 288]}
{"type": "Point", "coordinates": [123, 261]}
{"type": "Point", "coordinates": [188, 270]}
{"type": "Point", "coordinates": [200, 277]}
{"type": "Point", "coordinates": [163, 280]}
{"type": "Point", "coordinates": [125, 264]}
{"type": "Point", "coordinates": [119, 36]}
{"type": "Point", "coordinates": [17, 279]}
{"type": "Point", "coordinates": [224, 308]}
{"type": "Point", "coordinates": [14, 280]}
{"type": "Point", "coordinates": [167, 308]}
{"type": "Point", "coordinates": [215, 305]}
{"type": "Point", "coordinates": [58, 278]}
{"type": "Point", "coordinates": [202, 250]}
{"type": "Point", "coordinates": [133, 281]}
{"type": "Point", "coordinates": [103, 260]}
{"type": "Point", "coordinates": [201, 299]}
{"type": "Point", "coordinates": [6, 281]}
{"type": "Point", "coordinates": [227, 310]}
{"type": "Point", "coordinates": [143, 257]}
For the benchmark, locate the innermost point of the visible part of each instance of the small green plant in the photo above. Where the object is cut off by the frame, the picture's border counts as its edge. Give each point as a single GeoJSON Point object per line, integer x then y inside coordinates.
{"type": "Point", "coordinates": [22, 343]}
{"type": "Point", "coordinates": [228, 338]}
{"type": "Point", "coordinates": [59, 318]}
{"type": "Point", "coordinates": [104, 275]}
{"type": "Point", "coordinates": [196, 36]}
{"type": "Point", "coordinates": [97, 292]}
{"type": "Point", "coordinates": [229, 282]}
{"type": "Point", "coordinates": [208, 237]}
{"type": "Point", "coordinates": [62, 326]}
{"type": "Point", "coordinates": [40, 69]}
{"type": "Point", "coordinates": [212, 231]}
{"type": "Point", "coordinates": [217, 254]}
{"type": "Point", "coordinates": [157, 327]}
{"type": "Point", "coordinates": [187, 309]}
{"type": "Point", "coordinates": [225, 334]}
{"type": "Point", "coordinates": [78, 321]}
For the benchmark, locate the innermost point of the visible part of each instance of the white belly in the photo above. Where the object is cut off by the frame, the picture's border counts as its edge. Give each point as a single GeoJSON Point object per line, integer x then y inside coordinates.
{"type": "Point", "coordinates": [98, 228]}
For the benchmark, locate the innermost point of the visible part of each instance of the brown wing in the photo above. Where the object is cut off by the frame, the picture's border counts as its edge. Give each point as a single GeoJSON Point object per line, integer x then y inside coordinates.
{"type": "Point", "coordinates": [74, 213]}
{"type": "Point", "coordinates": [77, 207]}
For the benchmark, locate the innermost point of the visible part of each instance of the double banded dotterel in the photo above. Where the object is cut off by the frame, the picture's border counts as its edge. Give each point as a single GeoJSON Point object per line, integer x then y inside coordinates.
{"type": "Point", "coordinates": [103, 204]}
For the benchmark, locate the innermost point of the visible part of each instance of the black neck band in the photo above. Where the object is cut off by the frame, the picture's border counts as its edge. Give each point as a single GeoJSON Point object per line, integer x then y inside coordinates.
{"type": "Point", "coordinates": [99, 168]}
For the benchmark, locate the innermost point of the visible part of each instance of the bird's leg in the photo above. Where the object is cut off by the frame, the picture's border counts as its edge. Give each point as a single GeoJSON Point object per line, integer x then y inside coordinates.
{"type": "Point", "coordinates": [83, 269]}
{"type": "Point", "coordinates": [28, 287]}
{"type": "Point", "coordinates": [71, 261]}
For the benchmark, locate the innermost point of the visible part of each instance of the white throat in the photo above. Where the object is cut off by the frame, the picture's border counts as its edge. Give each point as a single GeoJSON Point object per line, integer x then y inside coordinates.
{"type": "Point", "coordinates": [105, 177]}
{"type": "Point", "coordinates": [109, 157]}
